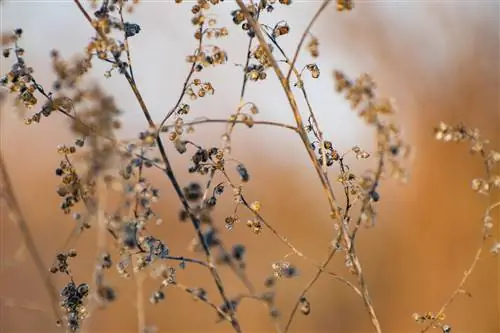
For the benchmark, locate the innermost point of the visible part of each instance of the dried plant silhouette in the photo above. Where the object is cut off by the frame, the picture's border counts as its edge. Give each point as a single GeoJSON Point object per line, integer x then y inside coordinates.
{"type": "Point", "coordinates": [99, 164]}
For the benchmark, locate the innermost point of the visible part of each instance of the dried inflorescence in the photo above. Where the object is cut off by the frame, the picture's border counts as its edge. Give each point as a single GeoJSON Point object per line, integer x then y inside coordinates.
{"type": "Point", "coordinates": [97, 163]}
{"type": "Point", "coordinates": [73, 297]}
{"type": "Point", "coordinates": [486, 186]}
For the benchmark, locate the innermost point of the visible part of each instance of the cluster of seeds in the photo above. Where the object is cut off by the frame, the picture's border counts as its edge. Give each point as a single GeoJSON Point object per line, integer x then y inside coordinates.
{"type": "Point", "coordinates": [205, 160]}
{"type": "Point", "coordinates": [152, 249]}
{"type": "Point", "coordinates": [330, 154]}
{"type": "Point", "coordinates": [72, 303]}
{"type": "Point", "coordinates": [211, 56]}
{"type": "Point", "coordinates": [314, 70]}
{"type": "Point", "coordinates": [284, 269]}
{"type": "Point", "coordinates": [254, 224]}
{"type": "Point", "coordinates": [19, 79]}
{"type": "Point", "coordinates": [62, 265]}
{"type": "Point", "coordinates": [305, 306]}
{"type": "Point", "coordinates": [436, 319]}
{"type": "Point", "coordinates": [478, 145]}
{"type": "Point", "coordinates": [345, 5]}
{"type": "Point", "coordinates": [215, 32]}
{"type": "Point", "coordinates": [199, 89]}
{"type": "Point", "coordinates": [69, 74]}
{"type": "Point", "coordinates": [313, 47]}
{"type": "Point", "coordinates": [72, 189]}
{"type": "Point", "coordinates": [72, 296]}
{"type": "Point", "coordinates": [360, 93]}
{"type": "Point", "coordinates": [280, 29]}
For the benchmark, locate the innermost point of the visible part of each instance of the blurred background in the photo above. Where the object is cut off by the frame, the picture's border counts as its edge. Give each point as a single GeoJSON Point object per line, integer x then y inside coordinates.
{"type": "Point", "coordinates": [439, 60]}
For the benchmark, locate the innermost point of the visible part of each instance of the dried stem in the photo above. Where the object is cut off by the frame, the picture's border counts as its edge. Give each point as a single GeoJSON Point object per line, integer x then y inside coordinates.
{"type": "Point", "coordinates": [186, 82]}
{"type": "Point", "coordinates": [334, 207]}
{"type": "Point", "coordinates": [309, 285]}
{"type": "Point", "coordinates": [125, 38]}
{"type": "Point", "coordinates": [141, 314]}
{"type": "Point", "coordinates": [231, 124]}
{"type": "Point", "coordinates": [460, 288]}
{"type": "Point", "coordinates": [18, 218]}
{"type": "Point", "coordinates": [294, 107]}
{"type": "Point", "coordinates": [225, 121]}
{"type": "Point", "coordinates": [170, 174]}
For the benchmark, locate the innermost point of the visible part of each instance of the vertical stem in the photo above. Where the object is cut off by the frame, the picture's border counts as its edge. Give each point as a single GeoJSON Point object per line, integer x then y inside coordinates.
{"type": "Point", "coordinates": [334, 206]}
{"type": "Point", "coordinates": [141, 318]}
{"type": "Point", "coordinates": [19, 220]}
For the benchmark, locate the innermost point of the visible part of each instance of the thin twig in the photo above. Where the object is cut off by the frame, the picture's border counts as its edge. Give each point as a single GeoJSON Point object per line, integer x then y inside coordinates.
{"type": "Point", "coordinates": [302, 39]}
{"type": "Point", "coordinates": [141, 314]}
{"type": "Point", "coordinates": [231, 124]}
{"type": "Point", "coordinates": [127, 49]}
{"type": "Point", "coordinates": [186, 82]}
{"type": "Point", "coordinates": [460, 288]}
{"type": "Point", "coordinates": [226, 121]}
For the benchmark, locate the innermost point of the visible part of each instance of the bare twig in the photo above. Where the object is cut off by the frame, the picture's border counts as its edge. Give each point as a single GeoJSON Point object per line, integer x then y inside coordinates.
{"type": "Point", "coordinates": [303, 38]}
{"type": "Point", "coordinates": [465, 278]}
{"type": "Point", "coordinates": [225, 121]}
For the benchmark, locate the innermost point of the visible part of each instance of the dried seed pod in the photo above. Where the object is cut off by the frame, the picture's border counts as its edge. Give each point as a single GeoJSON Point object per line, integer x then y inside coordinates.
{"type": "Point", "coordinates": [305, 306]}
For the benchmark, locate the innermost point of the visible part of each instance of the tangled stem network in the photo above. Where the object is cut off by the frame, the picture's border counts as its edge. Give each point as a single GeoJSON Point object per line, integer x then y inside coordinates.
{"type": "Point", "coordinates": [126, 241]}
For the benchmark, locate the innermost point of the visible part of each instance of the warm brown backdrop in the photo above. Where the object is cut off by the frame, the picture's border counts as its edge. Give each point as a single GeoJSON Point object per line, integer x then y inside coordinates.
{"type": "Point", "coordinates": [439, 62]}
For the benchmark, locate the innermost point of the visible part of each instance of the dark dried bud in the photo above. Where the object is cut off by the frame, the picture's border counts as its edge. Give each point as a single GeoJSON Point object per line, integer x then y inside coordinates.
{"type": "Point", "coordinates": [107, 293]}
{"type": "Point", "coordinates": [131, 29]}
{"type": "Point", "coordinates": [83, 289]}
{"type": "Point", "coordinates": [183, 215]}
{"type": "Point", "coordinates": [130, 235]}
{"type": "Point", "coordinates": [243, 172]}
{"type": "Point", "coordinates": [238, 251]}
{"type": "Point", "coordinates": [218, 190]}
{"type": "Point", "coordinates": [157, 297]}
{"type": "Point", "coordinates": [211, 202]}
{"type": "Point", "coordinates": [374, 195]}
{"type": "Point", "coordinates": [193, 191]}
{"type": "Point", "coordinates": [305, 306]}
{"type": "Point", "coordinates": [269, 282]}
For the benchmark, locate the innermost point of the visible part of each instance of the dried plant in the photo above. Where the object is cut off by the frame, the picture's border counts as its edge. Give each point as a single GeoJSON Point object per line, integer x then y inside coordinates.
{"type": "Point", "coordinates": [98, 163]}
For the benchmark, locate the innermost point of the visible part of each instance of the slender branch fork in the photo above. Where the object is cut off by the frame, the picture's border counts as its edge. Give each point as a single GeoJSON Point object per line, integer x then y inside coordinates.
{"type": "Point", "coordinates": [334, 206]}
{"type": "Point", "coordinates": [477, 256]}
{"type": "Point", "coordinates": [299, 129]}
{"type": "Point", "coordinates": [335, 209]}
{"type": "Point", "coordinates": [170, 174]}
